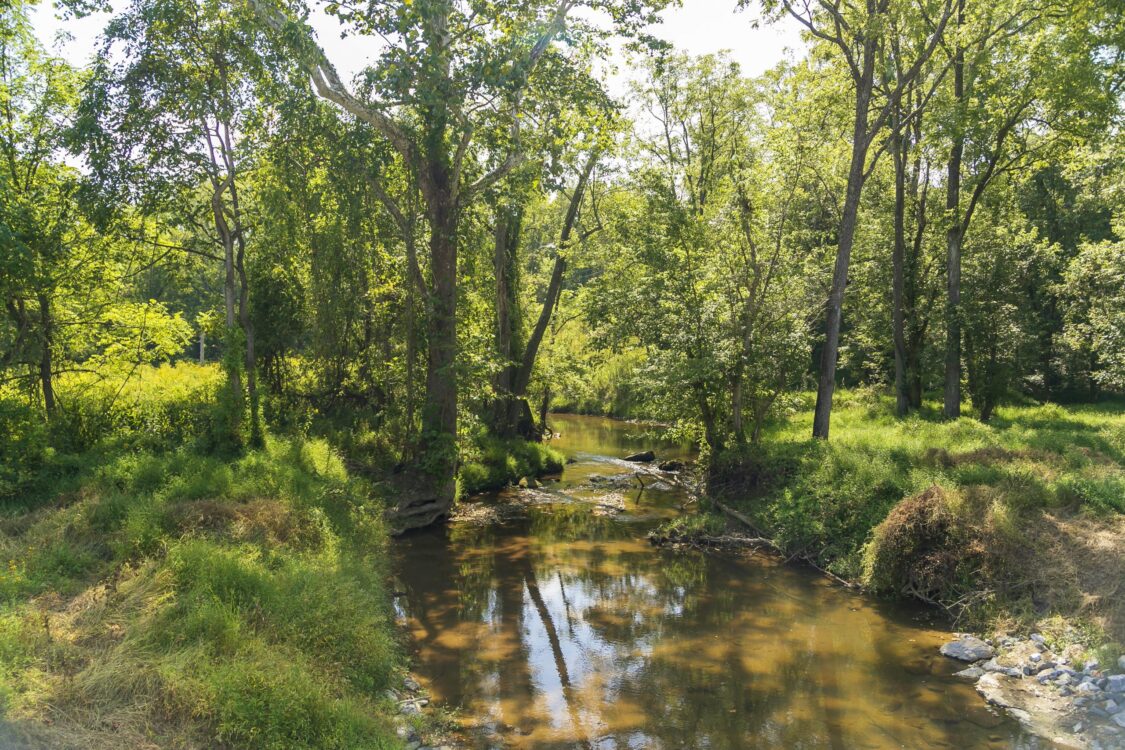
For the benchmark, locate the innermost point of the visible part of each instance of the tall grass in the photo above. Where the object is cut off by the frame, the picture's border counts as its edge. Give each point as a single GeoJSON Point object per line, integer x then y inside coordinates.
{"type": "Point", "coordinates": [154, 594]}
{"type": "Point", "coordinates": [827, 500]}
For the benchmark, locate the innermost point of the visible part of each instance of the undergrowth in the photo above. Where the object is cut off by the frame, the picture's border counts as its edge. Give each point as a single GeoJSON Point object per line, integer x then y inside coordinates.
{"type": "Point", "coordinates": [155, 595]}
{"type": "Point", "coordinates": [492, 463]}
{"type": "Point", "coordinates": [989, 520]}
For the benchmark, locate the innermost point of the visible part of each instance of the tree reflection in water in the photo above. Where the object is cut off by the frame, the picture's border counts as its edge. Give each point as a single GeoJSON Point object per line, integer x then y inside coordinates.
{"type": "Point", "coordinates": [566, 629]}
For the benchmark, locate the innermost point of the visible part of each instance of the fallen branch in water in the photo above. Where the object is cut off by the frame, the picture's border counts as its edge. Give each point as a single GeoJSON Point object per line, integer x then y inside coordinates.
{"type": "Point", "coordinates": [743, 519]}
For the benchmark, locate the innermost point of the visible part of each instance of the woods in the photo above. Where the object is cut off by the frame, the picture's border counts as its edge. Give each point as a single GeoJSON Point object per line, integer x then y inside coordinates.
{"type": "Point", "coordinates": [690, 231]}
{"type": "Point", "coordinates": [218, 250]}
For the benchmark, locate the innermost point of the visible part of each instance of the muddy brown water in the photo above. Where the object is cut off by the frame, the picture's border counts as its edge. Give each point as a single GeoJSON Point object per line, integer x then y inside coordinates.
{"type": "Point", "coordinates": [561, 627]}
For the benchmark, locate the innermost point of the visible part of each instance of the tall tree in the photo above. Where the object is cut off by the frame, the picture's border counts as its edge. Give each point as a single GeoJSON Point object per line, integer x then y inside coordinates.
{"type": "Point", "coordinates": [1026, 78]}
{"type": "Point", "coordinates": [165, 117]}
{"type": "Point", "coordinates": [858, 35]}
{"type": "Point", "coordinates": [448, 94]}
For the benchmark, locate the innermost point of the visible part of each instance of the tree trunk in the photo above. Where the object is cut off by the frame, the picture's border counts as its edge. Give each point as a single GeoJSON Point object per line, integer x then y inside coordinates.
{"type": "Point", "coordinates": [523, 374]}
{"type": "Point", "coordinates": [953, 236]}
{"type": "Point", "coordinates": [902, 398]}
{"type": "Point", "coordinates": [827, 383]}
{"type": "Point", "coordinates": [248, 331]}
{"type": "Point", "coordinates": [736, 405]}
{"type": "Point", "coordinates": [46, 365]}
{"type": "Point", "coordinates": [439, 409]}
{"type": "Point", "coordinates": [506, 240]}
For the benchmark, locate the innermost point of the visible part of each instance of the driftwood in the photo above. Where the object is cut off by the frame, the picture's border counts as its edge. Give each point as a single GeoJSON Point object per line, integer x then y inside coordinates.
{"type": "Point", "coordinates": [743, 519]}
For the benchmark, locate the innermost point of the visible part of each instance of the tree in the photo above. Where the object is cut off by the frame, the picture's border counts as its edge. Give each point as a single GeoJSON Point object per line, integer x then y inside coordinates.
{"type": "Point", "coordinates": [63, 283]}
{"type": "Point", "coordinates": [858, 37]}
{"type": "Point", "coordinates": [448, 96]}
{"type": "Point", "coordinates": [1025, 79]}
{"type": "Point", "coordinates": [166, 118]}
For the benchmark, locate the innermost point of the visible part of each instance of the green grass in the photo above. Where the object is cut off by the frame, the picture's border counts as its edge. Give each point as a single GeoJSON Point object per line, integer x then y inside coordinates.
{"type": "Point", "coordinates": [493, 463]}
{"type": "Point", "coordinates": [170, 597]}
{"type": "Point", "coordinates": [998, 482]}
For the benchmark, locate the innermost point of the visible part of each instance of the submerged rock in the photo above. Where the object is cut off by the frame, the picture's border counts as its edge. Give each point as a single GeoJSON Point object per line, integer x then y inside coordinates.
{"type": "Point", "coordinates": [968, 648]}
{"type": "Point", "coordinates": [972, 673]}
{"type": "Point", "coordinates": [671, 465]}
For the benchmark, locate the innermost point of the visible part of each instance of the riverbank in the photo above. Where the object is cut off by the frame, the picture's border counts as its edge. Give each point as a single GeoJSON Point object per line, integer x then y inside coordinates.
{"type": "Point", "coordinates": [179, 600]}
{"type": "Point", "coordinates": [156, 593]}
{"type": "Point", "coordinates": [1014, 525]}
{"type": "Point", "coordinates": [1012, 528]}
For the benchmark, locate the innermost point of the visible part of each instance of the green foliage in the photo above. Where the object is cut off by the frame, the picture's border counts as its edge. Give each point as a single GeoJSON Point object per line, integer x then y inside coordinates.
{"type": "Point", "coordinates": [824, 500]}
{"type": "Point", "coordinates": [493, 463]}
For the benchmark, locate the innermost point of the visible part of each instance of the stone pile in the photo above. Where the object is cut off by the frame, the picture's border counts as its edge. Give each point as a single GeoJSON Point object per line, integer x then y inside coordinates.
{"type": "Point", "coordinates": [1043, 688]}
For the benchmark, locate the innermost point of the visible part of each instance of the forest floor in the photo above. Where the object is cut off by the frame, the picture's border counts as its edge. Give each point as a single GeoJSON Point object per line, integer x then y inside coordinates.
{"type": "Point", "coordinates": [1014, 525]}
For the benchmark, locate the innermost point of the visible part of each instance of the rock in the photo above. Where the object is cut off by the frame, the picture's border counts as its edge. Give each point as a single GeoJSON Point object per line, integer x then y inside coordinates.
{"type": "Point", "coordinates": [972, 673]}
{"type": "Point", "coordinates": [671, 465]}
{"type": "Point", "coordinates": [968, 648]}
{"type": "Point", "coordinates": [1111, 706]}
{"type": "Point", "coordinates": [1087, 688]}
{"type": "Point", "coordinates": [1119, 719]}
{"type": "Point", "coordinates": [1115, 683]}
{"type": "Point", "coordinates": [1090, 666]}
{"type": "Point", "coordinates": [1078, 727]}
{"type": "Point", "coordinates": [411, 684]}
{"type": "Point", "coordinates": [1038, 639]}
{"type": "Point", "coordinates": [1035, 658]}
{"type": "Point", "coordinates": [410, 709]}
{"type": "Point", "coordinates": [643, 457]}
{"type": "Point", "coordinates": [1121, 662]}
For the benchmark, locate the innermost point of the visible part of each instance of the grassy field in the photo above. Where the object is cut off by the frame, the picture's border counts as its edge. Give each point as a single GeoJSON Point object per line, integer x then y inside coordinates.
{"type": "Point", "coordinates": [1010, 523]}
{"type": "Point", "coordinates": [153, 595]}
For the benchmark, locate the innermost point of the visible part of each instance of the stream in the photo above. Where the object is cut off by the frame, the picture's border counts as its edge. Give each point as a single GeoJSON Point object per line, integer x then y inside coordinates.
{"type": "Point", "coordinates": [560, 626]}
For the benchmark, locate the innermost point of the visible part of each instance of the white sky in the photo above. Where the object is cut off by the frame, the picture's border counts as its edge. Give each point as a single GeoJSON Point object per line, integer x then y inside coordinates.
{"type": "Point", "coordinates": [696, 27]}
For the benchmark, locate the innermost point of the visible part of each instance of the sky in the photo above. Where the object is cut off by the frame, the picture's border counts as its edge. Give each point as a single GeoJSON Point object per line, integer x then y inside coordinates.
{"type": "Point", "coordinates": [697, 27]}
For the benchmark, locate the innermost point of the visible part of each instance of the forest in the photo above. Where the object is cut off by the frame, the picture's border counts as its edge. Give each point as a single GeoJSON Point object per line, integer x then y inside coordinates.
{"type": "Point", "coordinates": [266, 322]}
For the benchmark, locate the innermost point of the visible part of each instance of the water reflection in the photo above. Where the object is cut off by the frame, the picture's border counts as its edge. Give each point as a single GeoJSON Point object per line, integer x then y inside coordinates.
{"type": "Point", "coordinates": [564, 629]}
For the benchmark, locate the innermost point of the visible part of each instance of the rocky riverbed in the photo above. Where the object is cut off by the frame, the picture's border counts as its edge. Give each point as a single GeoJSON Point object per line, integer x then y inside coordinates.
{"type": "Point", "coordinates": [1050, 692]}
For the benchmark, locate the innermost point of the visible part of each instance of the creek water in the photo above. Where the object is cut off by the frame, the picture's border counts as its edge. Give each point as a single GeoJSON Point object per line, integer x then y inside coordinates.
{"type": "Point", "coordinates": [560, 626]}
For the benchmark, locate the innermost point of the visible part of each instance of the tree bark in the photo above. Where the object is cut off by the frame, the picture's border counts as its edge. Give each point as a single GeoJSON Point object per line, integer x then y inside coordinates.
{"type": "Point", "coordinates": [902, 398]}
{"type": "Point", "coordinates": [953, 237]}
{"type": "Point", "coordinates": [439, 411]}
{"type": "Point", "coordinates": [46, 365]}
{"type": "Point", "coordinates": [834, 308]}
{"type": "Point", "coordinates": [554, 287]}
{"type": "Point", "coordinates": [506, 240]}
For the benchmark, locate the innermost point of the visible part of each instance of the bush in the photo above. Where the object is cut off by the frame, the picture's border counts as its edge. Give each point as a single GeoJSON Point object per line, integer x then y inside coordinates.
{"type": "Point", "coordinates": [25, 446]}
{"type": "Point", "coordinates": [495, 463]}
{"type": "Point", "coordinates": [921, 549]}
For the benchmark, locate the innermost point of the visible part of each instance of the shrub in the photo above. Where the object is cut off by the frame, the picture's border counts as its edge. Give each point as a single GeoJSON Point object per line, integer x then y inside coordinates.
{"type": "Point", "coordinates": [493, 463]}
{"type": "Point", "coordinates": [25, 446]}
